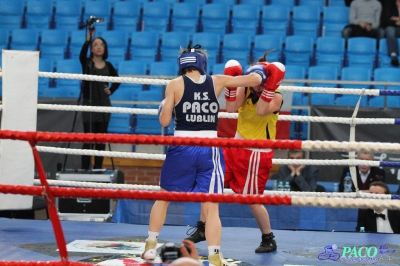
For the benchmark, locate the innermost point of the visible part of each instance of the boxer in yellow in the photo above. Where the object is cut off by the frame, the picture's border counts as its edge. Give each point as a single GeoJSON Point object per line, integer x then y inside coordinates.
{"type": "Point", "coordinates": [247, 170]}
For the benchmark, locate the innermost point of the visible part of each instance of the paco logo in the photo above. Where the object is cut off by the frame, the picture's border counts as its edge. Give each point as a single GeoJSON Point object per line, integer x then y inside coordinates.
{"type": "Point", "coordinates": [357, 254]}
{"type": "Point", "coordinates": [363, 252]}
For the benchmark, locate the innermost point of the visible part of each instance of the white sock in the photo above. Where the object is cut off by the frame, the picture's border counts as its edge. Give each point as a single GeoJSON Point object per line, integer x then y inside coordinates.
{"type": "Point", "coordinates": [213, 250]}
{"type": "Point", "coordinates": [153, 236]}
{"type": "Point", "coordinates": [393, 55]}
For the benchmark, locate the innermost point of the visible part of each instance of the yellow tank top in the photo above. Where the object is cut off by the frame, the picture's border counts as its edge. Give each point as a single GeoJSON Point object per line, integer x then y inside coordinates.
{"type": "Point", "coordinates": [252, 126]}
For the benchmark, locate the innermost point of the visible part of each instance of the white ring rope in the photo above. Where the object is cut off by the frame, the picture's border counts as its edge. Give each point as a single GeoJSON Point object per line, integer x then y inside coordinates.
{"type": "Point", "coordinates": [100, 185]}
{"type": "Point", "coordinates": [315, 199]}
{"type": "Point", "coordinates": [372, 92]}
{"type": "Point", "coordinates": [298, 198]}
{"type": "Point", "coordinates": [149, 156]}
{"type": "Point", "coordinates": [125, 110]}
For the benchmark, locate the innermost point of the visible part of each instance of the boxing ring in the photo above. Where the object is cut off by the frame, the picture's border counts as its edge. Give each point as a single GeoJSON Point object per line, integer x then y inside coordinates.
{"type": "Point", "coordinates": [45, 242]}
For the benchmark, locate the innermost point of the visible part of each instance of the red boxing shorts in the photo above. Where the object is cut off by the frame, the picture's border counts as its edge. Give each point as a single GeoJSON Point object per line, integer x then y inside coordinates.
{"type": "Point", "coordinates": [247, 170]}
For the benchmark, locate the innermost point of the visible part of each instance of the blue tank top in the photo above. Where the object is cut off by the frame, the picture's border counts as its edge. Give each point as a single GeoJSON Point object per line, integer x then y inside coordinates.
{"type": "Point", "coordinates": [198, 108]}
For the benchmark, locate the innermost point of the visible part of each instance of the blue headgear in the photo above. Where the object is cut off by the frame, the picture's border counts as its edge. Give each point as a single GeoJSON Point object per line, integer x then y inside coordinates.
{"type": "Point", "coordinates": [194, 59]}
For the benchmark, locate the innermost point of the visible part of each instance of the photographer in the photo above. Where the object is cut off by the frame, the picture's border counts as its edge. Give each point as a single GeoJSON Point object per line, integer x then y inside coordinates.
{"type": "Point", "coordinates": [96, 93]}
{"type": "Point", "coordinates": [187, 255]}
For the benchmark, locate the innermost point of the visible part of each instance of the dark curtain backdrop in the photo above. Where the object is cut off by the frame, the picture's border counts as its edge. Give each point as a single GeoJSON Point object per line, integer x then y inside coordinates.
{"type": "Point", "coordinates": [59, 121]}
{"type": "Point", "coordinates": [341, 132]}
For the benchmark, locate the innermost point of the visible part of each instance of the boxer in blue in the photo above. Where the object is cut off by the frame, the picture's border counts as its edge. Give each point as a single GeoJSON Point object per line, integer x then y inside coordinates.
{"type": "Point", "coordinates": [193, 99]}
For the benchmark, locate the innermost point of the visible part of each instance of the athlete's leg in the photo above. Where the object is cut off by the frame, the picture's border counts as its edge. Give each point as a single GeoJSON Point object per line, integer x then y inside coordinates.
{"type": "Point", "coordinates": [261, 216]}
{"type": "Point", "coordinates": [158, 215]}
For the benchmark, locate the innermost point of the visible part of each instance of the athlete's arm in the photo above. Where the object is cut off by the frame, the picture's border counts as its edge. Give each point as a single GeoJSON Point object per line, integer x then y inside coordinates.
{"type": "Point", "coordinates": [233, 106]}
{"type": "Point", "coordinates": [266, 108]}
{"type": "Point", "coordinates": [165, 115]}
{"type": "Point", "coordinates": [222, 81]}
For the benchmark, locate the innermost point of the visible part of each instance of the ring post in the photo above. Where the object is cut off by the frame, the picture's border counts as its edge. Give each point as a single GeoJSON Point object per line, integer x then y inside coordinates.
{"type": "Point", "coordinates": [20, 93]}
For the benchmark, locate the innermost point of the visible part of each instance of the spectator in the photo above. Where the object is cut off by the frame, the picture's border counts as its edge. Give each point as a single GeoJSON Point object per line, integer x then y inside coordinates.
{"type": "Point", "coordinates": [390, 22]}
{"type": "Point", "coordinates": [379, 220]}
{"type": "Point", "coordinates": [365, 174]}
{"type": "Point", "coordinates": [300, 177]}
{"type": "Point", "coordinates": [364, 20]}
{"type": "Point", "coordinates": [96, 93]}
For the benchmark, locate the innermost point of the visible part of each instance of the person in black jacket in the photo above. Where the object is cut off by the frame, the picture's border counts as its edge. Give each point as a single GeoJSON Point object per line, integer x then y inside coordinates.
{"type": "Point", "coordinates": [365, 174]}
{"type": "Point", "coordinates": [390, 21]}
{"type": "Point", "coordinates": [379, 220]}
{"type": "Point", "coordinates": [96, 93]}
{"type": "Point", "coordinates": [300, 177]}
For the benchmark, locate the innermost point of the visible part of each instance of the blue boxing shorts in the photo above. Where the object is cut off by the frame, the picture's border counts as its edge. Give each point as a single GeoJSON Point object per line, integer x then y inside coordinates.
{"type": "Point", "coordinates": [193, 169]}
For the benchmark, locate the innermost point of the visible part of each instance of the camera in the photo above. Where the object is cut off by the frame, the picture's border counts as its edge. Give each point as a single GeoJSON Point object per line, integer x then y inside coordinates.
{"type": "Point", "coordinates": [170, 252]}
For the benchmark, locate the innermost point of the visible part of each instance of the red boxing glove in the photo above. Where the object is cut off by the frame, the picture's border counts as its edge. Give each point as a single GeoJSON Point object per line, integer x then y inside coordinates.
{"type": "Point", "coordinates": [232, 68]}
{"type": "Point", "coordinates": [275, 74]}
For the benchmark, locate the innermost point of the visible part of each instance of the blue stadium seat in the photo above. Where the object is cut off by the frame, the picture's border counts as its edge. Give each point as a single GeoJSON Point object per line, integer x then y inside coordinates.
{"type": "Point", "coordinates": [185, 17]}
{"type": "Point", "coordinates": [336, 3]}
{"type": "Point", "coordinates": [322, 73]}
{"type": "Point", "coordinates": [144, 46]}
{"type": "Point", "coordinates": [45, 65]}
{"type": "Point", "coordinates": [212, 43]}
{"type": "Point", "coordinates": [246, 19]}
{"type": "Point", "coordinates": [388, 74]}
{"type": "Point", "coordinates": [296, 72]}
{"type": "Point", "coordinates": [98, 9]}
{"type": "Point", "coordinates": [299, 130]}
{"type": "Point", "coordinates": [15, 7]}
{"type": "Point", "coordinates": [129, 91]}
{"type": "Point", "coordinates": [24, 39]}
{"type": "Point", "coordinates": [117, 42]}
{"type": "Point", "coordinates": [11, 14]}
{"type": "Point", "coordinates": [199, 2]}
{"type": "Point", "coordinates": [258, 3]}
{"type": "Point", "coordinates": [4, 38]}
{"type": "Point", "coordinates": [298, 50]}
{"type": "Point", "coordinates": [116, 38]}
{"type": "Point", "coordinates": [306, 21]}
{"type": "Point", "coordinates": [317, 3]}
{"type": "Point", "coordinates": [171, 42]}
{"type": "Point", "coordinates": [53, 44]}
{"type": "Point", "coordinates": [265, 42]}
{"type": "Point", "coordinates": [156, 16]}
{"type": "Point", "coordinates": [120, 123]}
{"type": "Point", "coordinates": [236, 46]}
{"type": "Point", "coordinates": [77, 38]}
{"type": "Point", "coordinates": [148, 124]}
{"type": "Point", "coordinates": [354, 74]}
{"type": "Point", "coordinates": [275, 19]}
{"type": "Point", "coordinates": [288, 3]}
{"type": "Point", "coordinates": [71, 87]}
{"type": "Point", "coordinates": [335, 18]}
{"type": "Point", "coordinates": [39, 14]}
{"type": "Point", "coordinates": [330, 51]}
{"type": "Point", "coordinates": [229, 3]}
{"type": "Point", "coordinates": [215, 18]}
{"type": "Point", "coordinates": [383, 56]}
{"type": "Point", "coordinates": [170, 2]}
{"type": "Point", "coordinates": [361, 51]}
{"type": "Point", "coordinates": [126, 16]}
{"type": "Point", "coordinates": [218, 69]}
{"type": "Point", "coordinates": [68, 15]}
{"type": "Point", "coordinates": [163, 69]}
{"type": "Point", "coordinates": [11, 22]}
